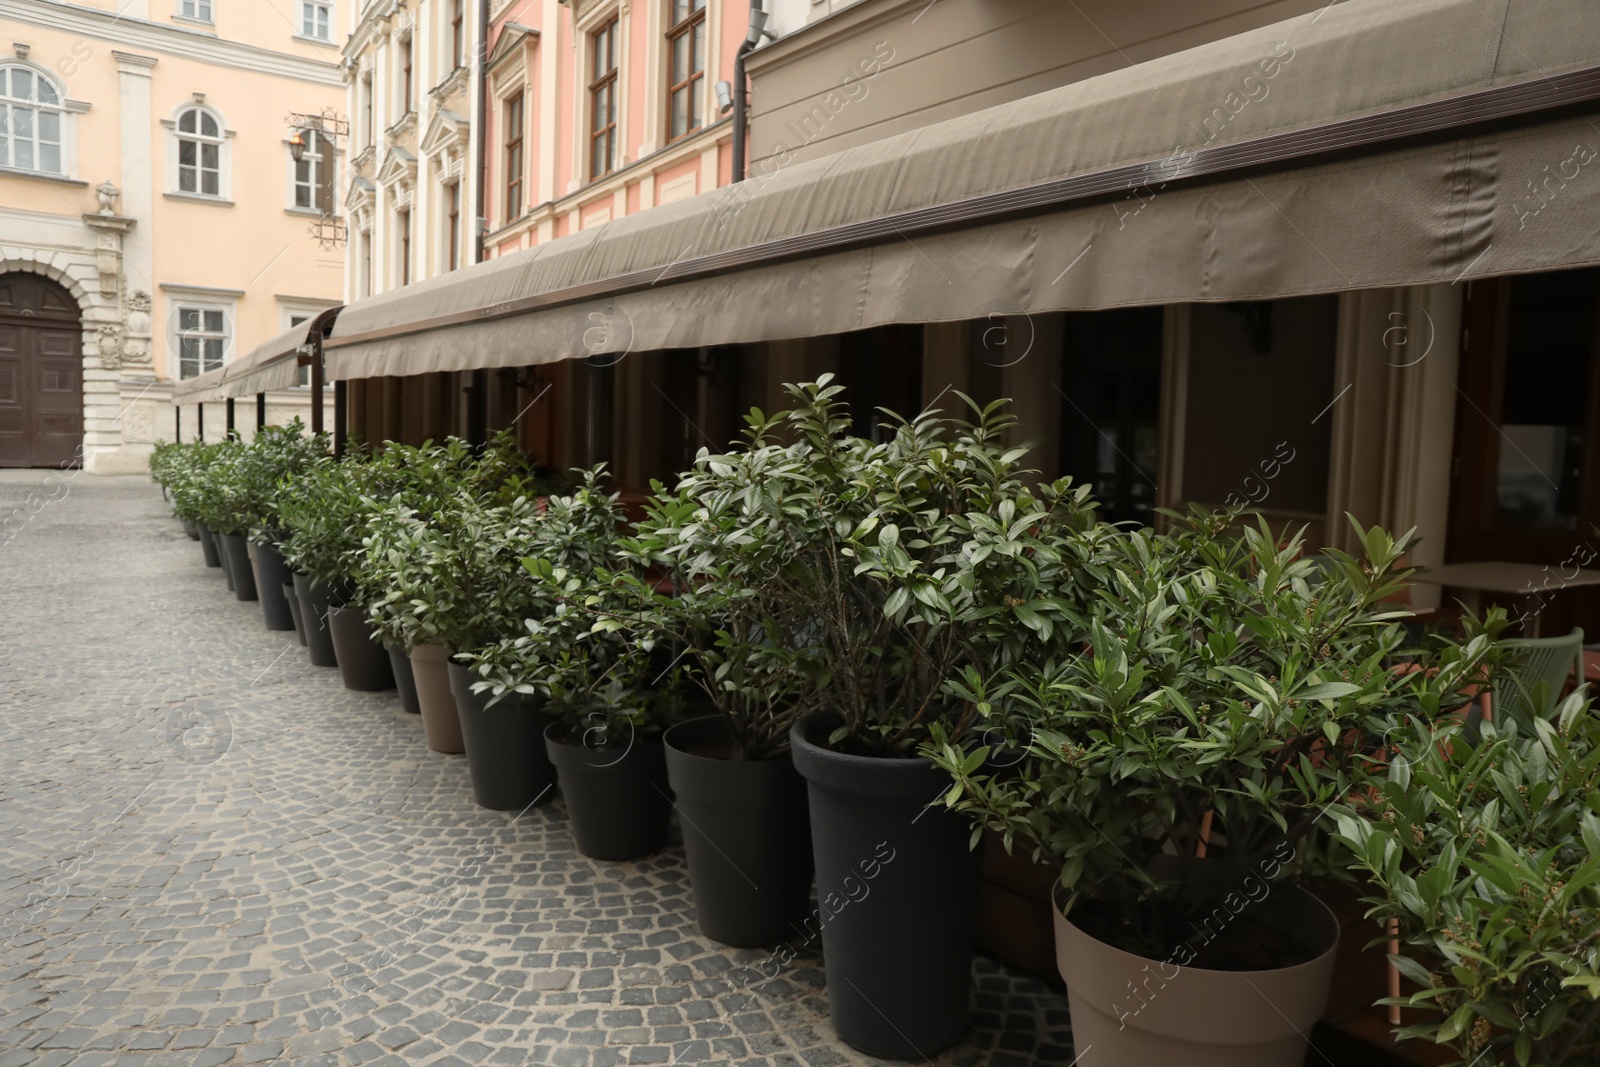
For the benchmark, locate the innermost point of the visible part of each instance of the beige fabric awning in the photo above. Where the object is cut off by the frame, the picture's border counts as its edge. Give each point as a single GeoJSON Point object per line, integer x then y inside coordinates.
{"type": "Point", "coordinates": [1177, 180]}
{"type": "Point", "coordinates": [201, 389]}
{"type": "Point", "coordinates": [270, 366]}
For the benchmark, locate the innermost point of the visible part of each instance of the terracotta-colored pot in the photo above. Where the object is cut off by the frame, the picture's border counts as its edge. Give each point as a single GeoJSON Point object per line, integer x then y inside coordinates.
{"type": "Point", "coordinates": [441, 722]}
{"type": "Point", "coordinates": [1135, 1012]}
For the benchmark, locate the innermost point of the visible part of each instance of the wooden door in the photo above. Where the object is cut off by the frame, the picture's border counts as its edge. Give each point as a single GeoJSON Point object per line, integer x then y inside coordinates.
{"type": "Point", "coordinates": [41, 374]}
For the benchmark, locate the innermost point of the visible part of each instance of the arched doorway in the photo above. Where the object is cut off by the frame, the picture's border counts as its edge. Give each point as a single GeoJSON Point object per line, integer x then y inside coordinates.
{"type": "Point", "coordinates": [41, 373]}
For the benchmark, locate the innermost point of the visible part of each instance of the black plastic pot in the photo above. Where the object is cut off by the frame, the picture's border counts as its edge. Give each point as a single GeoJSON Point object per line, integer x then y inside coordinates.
{"type": "Point", "coordinates": [188, 527]}
{"type": "Point", "coordinates": [208, 547]}
{"type": "Point", "coordinates": [506, 754]}
{"type": "Point", "coordinates": [271, 575]}
{"type": "Point", "coordinates": [227, 561]}
{"type": "Point", "coordinates": [897, 891]}
{"type": "Point", "coordinates": [314, 607]}
{"type": "Point", "coordinates": [363, 664]}
{"type": "Point", "coordinates": [747, 834]}
{"type": "Point", "coordinates": [237, 551]}
{"type": "Point", "coordinates": [404, 680]}
{"type": "Point", "coordinates": [294, 609]}
{"type": "Point", "coordinates": [617, 796]}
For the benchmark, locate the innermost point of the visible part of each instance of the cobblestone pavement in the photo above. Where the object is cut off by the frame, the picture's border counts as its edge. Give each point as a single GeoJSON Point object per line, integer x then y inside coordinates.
{"type": "Point", "coordinates": [211, 852]}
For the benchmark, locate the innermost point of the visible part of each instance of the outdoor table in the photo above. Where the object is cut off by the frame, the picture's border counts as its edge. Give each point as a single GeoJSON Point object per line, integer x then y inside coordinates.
{"type": "Point", "coordinates": [1533, 581]}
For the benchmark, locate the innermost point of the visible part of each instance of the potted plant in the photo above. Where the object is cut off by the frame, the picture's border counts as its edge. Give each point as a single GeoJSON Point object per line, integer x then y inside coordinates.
{"type": "Point", "coordinates": [322, 513]}
{"type": "Point", "coordinates": [489, 596]}
{"type": "Point", "coordinates": [696, 563]}
{"type": "Point", "coordinates": [218, 500]}
{"type": "Point", "coordinates": [1181, 768]}
{"type": "Point", "coordinates": [910, 558]}
{"type": "Point", "coordinates": [274, 456]}
{"type": "Point", "coordinates": [608, 686]}
{"type": "Point", "coordinates": [172, 464]}
{"type": "Point", "coordinates": [1483, 851]}
{"type": "Point", "coordinates": [409, 569]}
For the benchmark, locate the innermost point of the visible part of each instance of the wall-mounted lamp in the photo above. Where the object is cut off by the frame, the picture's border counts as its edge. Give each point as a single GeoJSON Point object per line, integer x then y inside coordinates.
{"type": "Point", "coordinates": [297, 144]}
{"type": "Point", "coordinates": [758, 25]}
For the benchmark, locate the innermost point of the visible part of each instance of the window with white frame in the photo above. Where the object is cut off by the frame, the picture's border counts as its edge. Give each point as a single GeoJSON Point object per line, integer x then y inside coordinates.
{"type": "Point", "coordinates": [452, 226]}
{"type": "Point", "coordinates": [686, 73]}
{"type": "Point", "coordinates": [603, 99]}
{"type": "Point", "coordinates": [458, 33]}
{"type": "Point", "coordinates": [31, 121]}
{"type": "Point", "coordinates": [195, 9]}
{"type": "Point", "coordinates": [314, 175]}
{"type": "Point", "coordinates": [201, 337]}
{"type": "Point", "coordinates": [316, 20]}
{"type": "Point", "coordinates": [200, 147]}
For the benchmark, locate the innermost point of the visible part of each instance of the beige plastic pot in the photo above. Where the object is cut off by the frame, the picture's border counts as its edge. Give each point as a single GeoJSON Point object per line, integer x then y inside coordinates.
{"type": "Point", "coordinates": [1135, 1012]}
{"type": "Point", "coordinates": [441, 722]}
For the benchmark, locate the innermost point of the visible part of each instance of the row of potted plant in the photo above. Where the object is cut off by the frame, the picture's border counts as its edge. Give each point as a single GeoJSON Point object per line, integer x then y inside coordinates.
{"type": "Point", "coordinates": [841, 660]}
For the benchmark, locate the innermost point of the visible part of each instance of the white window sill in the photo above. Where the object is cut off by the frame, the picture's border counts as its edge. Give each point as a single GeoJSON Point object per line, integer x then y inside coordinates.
{"type": "Point", "coordinates": [304, 212]}
{"type": "Point", "coordinates": [190, 20]}
{"type": "Point", "coordinates": [200, 198]}
{"type": "Point", "coordinates": [41, 176]}
{"type": "Point", "coordinates": [325, 42]}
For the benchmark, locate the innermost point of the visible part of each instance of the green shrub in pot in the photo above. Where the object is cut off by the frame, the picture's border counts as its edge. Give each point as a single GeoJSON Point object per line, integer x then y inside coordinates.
{"type": "Point", "coordinates": [1485, 853]}
{"type": "Point", "coordinates": [855, 578]}
{"type": "Point", "coordinates": [179, 468]}
{"type": "Point", "coordinates": [608, 684]}
{"type": "Point", "coordinates": [220, 489]}
{"type": "Point", "coordinates": [423, 512]}
{"type": "Point", "coordinates": [1230, 692]}
{"type": "Point", "coordinates": [275, 454]}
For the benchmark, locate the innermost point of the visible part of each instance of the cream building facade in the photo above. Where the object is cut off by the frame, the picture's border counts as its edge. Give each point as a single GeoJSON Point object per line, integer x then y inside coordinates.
{"type": "Point", "coordinates": [411, 191]}
{"type": "Point", "coordinates": [154, 222]}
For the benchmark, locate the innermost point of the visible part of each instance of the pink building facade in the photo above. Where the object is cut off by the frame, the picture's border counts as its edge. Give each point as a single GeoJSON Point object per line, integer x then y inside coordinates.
{"type": "Point", "coordinates": [600, 108]}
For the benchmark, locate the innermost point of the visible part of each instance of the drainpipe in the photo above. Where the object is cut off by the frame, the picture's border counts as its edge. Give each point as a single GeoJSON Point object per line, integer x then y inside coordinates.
{"type": "Point", "coordinates": [741, 92]}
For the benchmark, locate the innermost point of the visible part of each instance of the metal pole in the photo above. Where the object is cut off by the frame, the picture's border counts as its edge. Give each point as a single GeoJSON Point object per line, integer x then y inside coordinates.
{"type": "Point", "coordinates": [341, 417]}
{"type": "Point", "coordinates": [261, 411]}
{"type": "Point", "coordinates": [177, 423]}
{"type": "Point", "coordinates": [229, 408]}
{"type": "Point", "coordinates": [316, 384]}
{"type": "Point", "coordinates": [200, 416]}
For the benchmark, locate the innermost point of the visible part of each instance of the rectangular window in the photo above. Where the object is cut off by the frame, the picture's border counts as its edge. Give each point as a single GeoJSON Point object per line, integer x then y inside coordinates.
{"type": "Point", "coordinates": [404, 221]}
{"type": "Point", "coordinates": [366, 110]}
{"type": "Point", "coordinates": [195, 9]}
{"type": "Point", "coordinates": [366, 263]}
{"type": "Point", "coordinates": [603, 100]}
{"type": "Point", "coordinates": [514, 158]}
{"type": "Point", "coordinates": [304, 375]}
{"type": "Point", "coordinates": [452, 237]}
{"type": "Point", "coordinates": [458, 38]}
{"type": "Point", "coordinates": [202, 340]}
{"type": "Point", "coordinates": [405, 77]}
{"type": "Point", "coordinates": [316, 19]}
{"type": "Point", "coordinates": [686, 77]}
{"type": "Point", "coordinates": [313, 185]}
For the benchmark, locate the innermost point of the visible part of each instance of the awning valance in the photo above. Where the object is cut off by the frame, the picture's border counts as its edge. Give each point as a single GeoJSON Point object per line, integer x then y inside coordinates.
{"type": "Point", "coordinates": [201, 389]}
{"type": "Point", "coordinates": [1369, 144]}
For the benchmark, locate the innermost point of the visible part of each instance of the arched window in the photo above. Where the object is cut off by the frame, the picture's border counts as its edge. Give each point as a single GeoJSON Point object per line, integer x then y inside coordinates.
{"type": "Point", "coordinates": [31, 121]}
{"type": "Point", "coordinates": [200, 145]}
